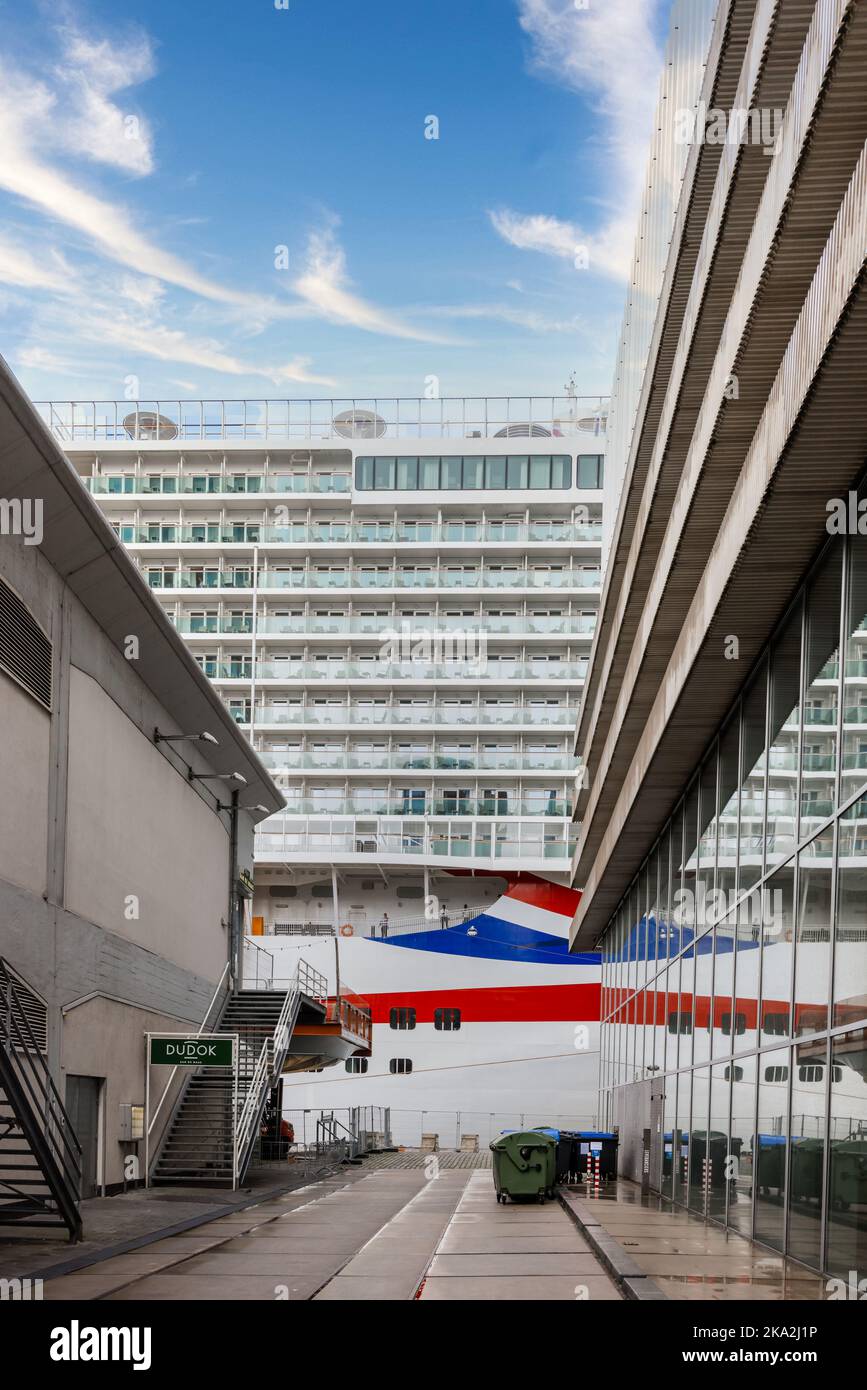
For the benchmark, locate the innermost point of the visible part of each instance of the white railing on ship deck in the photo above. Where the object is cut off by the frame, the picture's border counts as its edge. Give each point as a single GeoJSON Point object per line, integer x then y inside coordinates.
{"type": "Point", "coordinates": [341, 419]}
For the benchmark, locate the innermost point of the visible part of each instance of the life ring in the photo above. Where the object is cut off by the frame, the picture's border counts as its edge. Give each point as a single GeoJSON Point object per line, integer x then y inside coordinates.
{"type": "Point", "coordinates": [347, 929]}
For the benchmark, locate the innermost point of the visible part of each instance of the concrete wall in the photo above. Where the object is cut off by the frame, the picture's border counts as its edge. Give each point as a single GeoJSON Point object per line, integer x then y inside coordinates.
{"type": "Point", "coordinates": [136, 829]}
{"type": "Point", "coordinates": [24, 748]}
{"type": "Point", "coordinates": [93, 811]}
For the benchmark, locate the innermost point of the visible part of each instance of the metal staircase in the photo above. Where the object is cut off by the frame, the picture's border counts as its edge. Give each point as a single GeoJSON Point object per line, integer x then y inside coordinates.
{"type": "Point", "coordinates": [215, 1124]}
{"type": "Point", "coordinates": [40, 1156]}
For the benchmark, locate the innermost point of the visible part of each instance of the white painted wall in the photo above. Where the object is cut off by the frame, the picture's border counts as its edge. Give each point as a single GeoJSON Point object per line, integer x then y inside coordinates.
{"type": "Point", "coordinates": [24, 757]}
{"type": "Point", "coordinates": [135, 828]}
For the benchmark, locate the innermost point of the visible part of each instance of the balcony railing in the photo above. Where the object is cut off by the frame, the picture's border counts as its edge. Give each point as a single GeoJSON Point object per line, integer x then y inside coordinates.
{"type": "Point", "coordinates": [434, 625]}
{"type": "Point", "coordinates": [490, 671]}
{"type": "Point", "coordinates": [346, 533]}
{"type": "Point", "coordinates": [338, 419]}
{"type": "Point", "coordinates": [194, 485]}
{"type": "Point", "coordinates": [280, 580]}
{"type": "Point", "coordinates": [391, 716]}
{"type": "Point", "coordinates": [385, 760]}
{"type": "Point", "coordinates": [437, 804]}
{"type": "Point", "coordinates": [481, 841]}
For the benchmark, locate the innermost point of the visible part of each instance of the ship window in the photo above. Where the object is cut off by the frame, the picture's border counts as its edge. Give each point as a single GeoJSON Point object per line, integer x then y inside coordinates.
{"type": "Point", "coordinates": [776, 1074]}
{"type": "Point", "coordinates": [813, 1073]}
{"type": "Point", "coordinates": [383, 470]}
{"type": "Point", "coordinates": [495, 472]}
{"type": "Point", "coordinates": [401, 1018]}
{"type": "Point", "coordinates": [590, 471]}
{"type": "Point", "coordinates": [400, 1066]}
{"type": "Point", "coordinates": [740, 1024]}
{"type": "Point", "coordinates": [356, 1065]}
{"type": "Point", "coordinates": [734, 1073]}
{"type": "Point", "coordinates": [447, 1020]}
{"type": "Point", "coordinates": [429, 473]}
{"type": "Point", "coordinates": [680, 1023]}
{"type": "Point", "coordinates": [407, 474]}
{"type": "Point", "coordinates": [473, 472]}
{"type": "Point", "coordinates": [776, 1023]}
{"type": "Point", "coordinates": [450, 476]}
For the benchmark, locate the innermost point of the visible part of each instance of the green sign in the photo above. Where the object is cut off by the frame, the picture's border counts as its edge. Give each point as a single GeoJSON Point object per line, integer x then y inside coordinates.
{"type": "Point", "coordinates": [192, 1052]}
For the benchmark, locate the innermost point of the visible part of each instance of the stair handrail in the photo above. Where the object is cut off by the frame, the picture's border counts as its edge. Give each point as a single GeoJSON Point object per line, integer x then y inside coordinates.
{"type": "Point", "coordinates": [254, 1099]}
{"type": "Point", "coordinates": [283, 1028]}
{"type": "Point", "coordinates": [269, 1063]}
{"type": "Point", "coordinates": [60, 1156]}
{"type": "Point", "coordinates": [203, 1028]}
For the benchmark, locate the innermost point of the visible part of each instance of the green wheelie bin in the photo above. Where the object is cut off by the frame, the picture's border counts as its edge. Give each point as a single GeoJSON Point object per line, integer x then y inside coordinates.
{"type": "Point", "coordinates": [525, 1165]}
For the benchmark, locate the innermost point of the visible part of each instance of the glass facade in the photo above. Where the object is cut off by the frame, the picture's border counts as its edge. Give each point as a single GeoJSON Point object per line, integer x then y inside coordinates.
{"type": "Point", "coordinates": [478, 472]}
{"type": "Point", "coordinates": [735, 969]}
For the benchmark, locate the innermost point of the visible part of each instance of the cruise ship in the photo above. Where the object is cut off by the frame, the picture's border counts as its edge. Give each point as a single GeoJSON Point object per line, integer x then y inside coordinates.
{"type": "Point", "coordinates": [396, 601]}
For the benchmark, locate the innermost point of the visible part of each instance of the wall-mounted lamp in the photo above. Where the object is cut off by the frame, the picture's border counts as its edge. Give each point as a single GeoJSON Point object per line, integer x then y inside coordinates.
{"type": "Point", "coordinates": [203, 737]}
{"type": "Point", "coordinates": [217, 777]}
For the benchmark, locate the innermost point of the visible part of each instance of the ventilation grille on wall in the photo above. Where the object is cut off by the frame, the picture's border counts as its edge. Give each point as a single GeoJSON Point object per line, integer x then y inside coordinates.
{"type": "Point", "coordinates": [25, 651]}
{"type": "Point", "coordinates": [27, 1008]}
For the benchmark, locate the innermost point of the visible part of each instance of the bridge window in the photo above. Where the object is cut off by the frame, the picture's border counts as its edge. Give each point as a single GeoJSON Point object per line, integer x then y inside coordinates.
{"type": "Point", "coordinates": [447, 1020]}
{"type": "Point", "coordinates": [400, 1066]}
{"type": "Point", "coordinates": [401, 1018]}
{"type": "Point", "coordinates": [473, 472]}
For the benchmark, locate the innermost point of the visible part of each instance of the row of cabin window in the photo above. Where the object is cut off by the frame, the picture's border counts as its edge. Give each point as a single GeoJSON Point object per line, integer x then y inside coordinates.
{"type": "Point", "coordinates": [398, 1066]}
{"type": "Point", "coordinates": [775, 1023]}
{"type": "Point", "coordinates": [521, 472]}
{"type": "Point", "coordinates": [445, 1020]}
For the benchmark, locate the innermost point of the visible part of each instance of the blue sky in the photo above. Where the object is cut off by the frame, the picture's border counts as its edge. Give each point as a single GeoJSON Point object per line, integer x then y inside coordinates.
{"type": "Point", "coordinates": [154, 162]}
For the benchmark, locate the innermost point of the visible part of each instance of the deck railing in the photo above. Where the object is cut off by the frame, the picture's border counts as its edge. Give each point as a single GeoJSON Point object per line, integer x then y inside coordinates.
{"type": "Point", "coordinates": [339, 419]}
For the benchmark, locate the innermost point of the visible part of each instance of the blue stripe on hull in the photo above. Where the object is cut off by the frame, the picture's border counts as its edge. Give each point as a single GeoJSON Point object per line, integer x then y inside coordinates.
{"type": "Point", "coordinates": [495, 939]}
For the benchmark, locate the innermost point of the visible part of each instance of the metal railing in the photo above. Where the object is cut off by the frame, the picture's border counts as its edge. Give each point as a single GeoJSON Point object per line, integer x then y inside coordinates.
{"type": "Point", "coordinates": [217, 998]}
{"type": "Point", "coordinates": [342, 419]}
{"type": "Point", "coordinates": [39, 1112]}
{"type": "Point", "coordinates": [478, 842]}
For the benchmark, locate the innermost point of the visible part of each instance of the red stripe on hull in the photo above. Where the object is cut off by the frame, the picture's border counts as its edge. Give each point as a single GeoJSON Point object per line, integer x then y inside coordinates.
{"type": "Point", "coordinates": [551, 897]}
{"type": "Point", "coordinates": [522, 1004]}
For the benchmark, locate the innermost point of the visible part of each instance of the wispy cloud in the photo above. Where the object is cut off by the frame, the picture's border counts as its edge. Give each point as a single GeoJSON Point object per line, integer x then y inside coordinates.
{"type": "Point", "coordinates": [323, 285]}
{"type": "Point", "coordinates": [609, 251]}
{"type": "Point", "coordinates": [609, 54]}
{"type": "Point", "coordinates": [46, 272]}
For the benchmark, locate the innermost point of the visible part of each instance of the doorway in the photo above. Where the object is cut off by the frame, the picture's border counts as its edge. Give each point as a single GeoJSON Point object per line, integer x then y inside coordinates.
{"type": "Point", "coordinates": [82, 1104]}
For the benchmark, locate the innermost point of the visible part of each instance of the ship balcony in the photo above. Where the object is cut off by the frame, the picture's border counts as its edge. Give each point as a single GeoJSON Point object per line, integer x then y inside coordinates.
{"type": "Point", "coordinates": [349, 759]}
{"type": "Point", "coordinates": [195, 488]}
{"type": "Point", "coordinates": [435, 802]}
{"type": "Point", "coordinates": [348, 580]}
{"type": "Point", "coordinates": [386, 717]}
{"type": "Point", "coordinates": [476, 844]}
{"type": "Point", "coordinates": [435, 627]}
{"type": "Point", "coordinates": [384, 535]}
{"type": "Point", "coordinates": [373, 672]}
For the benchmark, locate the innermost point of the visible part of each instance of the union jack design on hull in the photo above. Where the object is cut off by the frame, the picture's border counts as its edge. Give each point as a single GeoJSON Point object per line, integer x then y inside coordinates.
{"type": "Point", "coordinates": [490, 1019]}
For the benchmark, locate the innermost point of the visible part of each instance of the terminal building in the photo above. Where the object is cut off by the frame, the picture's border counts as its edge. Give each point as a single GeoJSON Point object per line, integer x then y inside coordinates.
{"type": "Point", "coordinates": [130, 797]}
{"type": "Point", "coordinates": [722, 848]}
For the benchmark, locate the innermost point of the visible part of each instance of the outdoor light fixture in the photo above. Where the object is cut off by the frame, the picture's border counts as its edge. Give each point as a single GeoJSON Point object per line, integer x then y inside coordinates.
{"type": "Point", "coordinates": [203, 737]}
{"type": "Point", "coordinates": [217, 777]}
{"type": "Point", "coordinates": [264, 809]}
